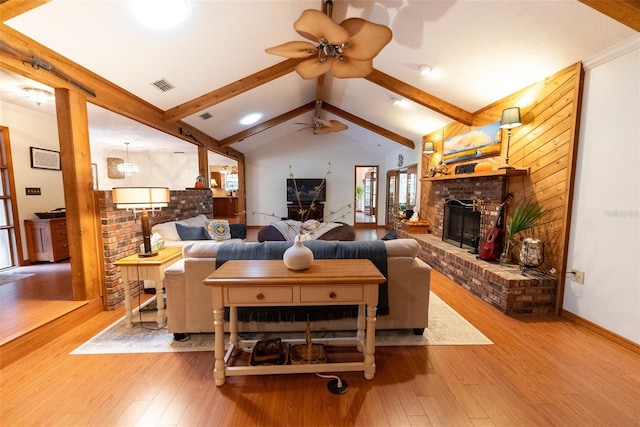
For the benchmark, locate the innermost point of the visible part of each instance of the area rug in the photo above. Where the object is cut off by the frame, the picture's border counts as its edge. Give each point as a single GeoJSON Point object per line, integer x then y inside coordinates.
{"type": "Point", "coordinates": [6, 278]}
{"type": "Point", "coordinates": [446, 327]}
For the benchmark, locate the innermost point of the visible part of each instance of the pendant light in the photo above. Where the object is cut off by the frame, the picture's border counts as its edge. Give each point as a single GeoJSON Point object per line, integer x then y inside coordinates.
{"type": "Point", "coordinates": [128, 168]}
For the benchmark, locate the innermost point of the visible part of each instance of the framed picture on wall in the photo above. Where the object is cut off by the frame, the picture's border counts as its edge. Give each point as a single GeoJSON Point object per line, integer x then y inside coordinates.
{"type": "Point", "coordinates": [42, 158]}
{"type": "Point", "coordinates": [481, 142]}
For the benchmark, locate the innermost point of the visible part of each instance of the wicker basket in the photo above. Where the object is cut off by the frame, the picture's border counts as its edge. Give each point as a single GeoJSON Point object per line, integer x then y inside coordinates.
{"type": "Point", "coordinates": [270, 352]}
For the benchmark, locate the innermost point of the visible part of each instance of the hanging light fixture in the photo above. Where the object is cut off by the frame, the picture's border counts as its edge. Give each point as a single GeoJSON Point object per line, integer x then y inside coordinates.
{"type": "Point", "coordinates": [128, 168]}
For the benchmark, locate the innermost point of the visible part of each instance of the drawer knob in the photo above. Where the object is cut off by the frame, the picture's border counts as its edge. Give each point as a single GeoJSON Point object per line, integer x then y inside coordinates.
{"type": "Point", "coordinates": [332, 295]}
{"type": "Point", "coordinates": [260, 296]}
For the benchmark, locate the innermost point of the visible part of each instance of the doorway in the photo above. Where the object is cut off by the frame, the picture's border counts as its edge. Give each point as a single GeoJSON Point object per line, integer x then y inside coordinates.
{"type": "Point", "coordinates": [366, 196]}
{"type": "Point", "coordinates": [10, 242]}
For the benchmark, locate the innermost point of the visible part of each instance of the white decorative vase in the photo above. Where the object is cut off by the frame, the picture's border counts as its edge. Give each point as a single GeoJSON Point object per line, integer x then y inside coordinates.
{"type": "Point", "coordinates": [298, 256]}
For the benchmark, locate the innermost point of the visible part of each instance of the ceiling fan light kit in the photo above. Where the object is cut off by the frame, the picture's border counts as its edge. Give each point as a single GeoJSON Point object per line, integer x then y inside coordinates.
{"type": "Point", "coordinates": [346, 50]}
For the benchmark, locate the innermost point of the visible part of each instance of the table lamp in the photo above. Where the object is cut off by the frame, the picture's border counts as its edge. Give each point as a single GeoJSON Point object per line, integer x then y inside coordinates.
{"type": "Point", "coordinates": [510, 119]}
{"type": "Point", "coordinates": [141, 199]}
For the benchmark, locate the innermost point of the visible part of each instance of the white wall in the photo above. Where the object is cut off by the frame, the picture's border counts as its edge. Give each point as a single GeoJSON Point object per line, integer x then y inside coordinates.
{"type": "Point", "coordinates": [159, 169]}
{"type": "Point", "coordinates": [30, 128]}
{"type": "Point", "coordinates": [605, 225]}
{"type": "Point", "coordinates": [267, 169]}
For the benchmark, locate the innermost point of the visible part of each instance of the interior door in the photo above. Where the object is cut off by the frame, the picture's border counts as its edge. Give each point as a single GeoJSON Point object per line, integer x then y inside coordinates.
{"type": "Point", "coordinates": [366, 193]}
{"type": "Point", "coordinates": [392, 201]}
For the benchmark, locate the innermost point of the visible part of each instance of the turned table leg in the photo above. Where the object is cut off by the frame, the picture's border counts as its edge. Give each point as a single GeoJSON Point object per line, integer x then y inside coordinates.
{"type": "Point", "coordinates": [218, 323]}
{"type": "Point", "coordinates": [370, 344]}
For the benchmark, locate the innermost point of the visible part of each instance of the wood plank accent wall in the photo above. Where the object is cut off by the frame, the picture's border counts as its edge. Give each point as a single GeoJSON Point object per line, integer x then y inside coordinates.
{"type": "Point", "coordinates": [546, 144]}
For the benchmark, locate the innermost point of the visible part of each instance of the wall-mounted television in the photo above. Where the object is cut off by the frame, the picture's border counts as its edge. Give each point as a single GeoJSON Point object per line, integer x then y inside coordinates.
{"type": "Point", "coordinates": [307, 189]}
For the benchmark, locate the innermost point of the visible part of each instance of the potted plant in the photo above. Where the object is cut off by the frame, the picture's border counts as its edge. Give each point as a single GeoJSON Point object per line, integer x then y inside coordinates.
{"type": "Point", "coordinates": [526, 215]}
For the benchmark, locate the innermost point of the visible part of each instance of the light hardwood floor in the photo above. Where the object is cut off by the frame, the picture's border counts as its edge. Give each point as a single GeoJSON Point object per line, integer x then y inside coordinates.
{"type": "Point", "coordinates": [541, 371]}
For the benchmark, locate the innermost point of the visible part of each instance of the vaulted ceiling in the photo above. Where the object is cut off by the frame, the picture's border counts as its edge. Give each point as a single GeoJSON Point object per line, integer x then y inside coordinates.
{"type": "Point", "coordinates": [480, 51]}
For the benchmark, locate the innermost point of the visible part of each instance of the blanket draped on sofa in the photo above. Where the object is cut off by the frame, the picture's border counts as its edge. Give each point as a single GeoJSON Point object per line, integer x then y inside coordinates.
{"type": "Point", "coordinates": [373, 250]}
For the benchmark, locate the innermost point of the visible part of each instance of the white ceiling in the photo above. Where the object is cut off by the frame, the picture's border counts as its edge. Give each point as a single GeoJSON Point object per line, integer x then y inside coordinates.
{"type": "Point", "coordinates": [480, 51]}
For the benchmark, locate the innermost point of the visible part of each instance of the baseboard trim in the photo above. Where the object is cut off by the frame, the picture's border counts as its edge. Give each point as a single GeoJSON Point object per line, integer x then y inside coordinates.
{"type": "Point", "coordinates": [602, 331]}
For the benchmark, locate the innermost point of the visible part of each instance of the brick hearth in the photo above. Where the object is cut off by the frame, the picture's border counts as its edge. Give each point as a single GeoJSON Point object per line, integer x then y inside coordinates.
{"type": "Point", "coordinates": [502, 286]}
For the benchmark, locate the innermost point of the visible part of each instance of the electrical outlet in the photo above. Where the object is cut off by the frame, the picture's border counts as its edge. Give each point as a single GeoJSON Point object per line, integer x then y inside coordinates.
{"type": "Point", "coordinates": [577, 276]}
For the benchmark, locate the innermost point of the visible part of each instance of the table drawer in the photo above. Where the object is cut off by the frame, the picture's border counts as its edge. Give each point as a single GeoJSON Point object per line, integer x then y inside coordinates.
{"type": "Point", "coordinates": [315, 294]}
{"type": "Point", "coordinates": [259, 295]}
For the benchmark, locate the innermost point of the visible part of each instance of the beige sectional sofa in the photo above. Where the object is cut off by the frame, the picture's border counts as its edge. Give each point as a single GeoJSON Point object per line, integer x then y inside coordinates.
{"type": "Point", "coordinates": [189, 302]}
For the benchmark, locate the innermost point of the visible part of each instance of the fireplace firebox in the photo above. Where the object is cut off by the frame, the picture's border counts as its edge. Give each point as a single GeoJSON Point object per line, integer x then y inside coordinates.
{"type": "Point", "coordinates": [461, 224]}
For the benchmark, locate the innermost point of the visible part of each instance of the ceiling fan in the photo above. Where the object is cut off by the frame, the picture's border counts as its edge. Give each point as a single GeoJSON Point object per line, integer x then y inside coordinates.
{"type": "Point", "coordinates": [321, 126]}
{"type": "Point", "coordinates": [346, 50]}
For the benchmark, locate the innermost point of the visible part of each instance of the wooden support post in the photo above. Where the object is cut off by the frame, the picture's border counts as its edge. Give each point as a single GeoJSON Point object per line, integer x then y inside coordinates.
{"type": "Point", "coordinates": [85, 249]}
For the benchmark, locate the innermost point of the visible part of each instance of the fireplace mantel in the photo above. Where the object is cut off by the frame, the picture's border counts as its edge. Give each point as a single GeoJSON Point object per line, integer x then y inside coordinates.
{"type": "Point", "coordinates": [495, 173]}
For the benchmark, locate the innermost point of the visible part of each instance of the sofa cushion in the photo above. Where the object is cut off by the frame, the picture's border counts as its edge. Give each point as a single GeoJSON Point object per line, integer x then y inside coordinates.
{"type": "Point", "coordinates": [196, 221]}
{"type": "Point", "coordinates": [402, 248]}
{"type": "Point", "coordinates": [192, 233]}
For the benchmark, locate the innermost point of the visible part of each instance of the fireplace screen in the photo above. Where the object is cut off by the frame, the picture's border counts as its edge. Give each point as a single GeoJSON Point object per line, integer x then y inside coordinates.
{"type": "Point", "coordinates": [461, 224]}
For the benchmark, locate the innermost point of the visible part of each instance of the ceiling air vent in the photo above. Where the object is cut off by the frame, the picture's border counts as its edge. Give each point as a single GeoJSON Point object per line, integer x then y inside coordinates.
{"type": "Point", "coordinates": [205, 116]}
{"type": "Point", "coordinates": [163, 85]}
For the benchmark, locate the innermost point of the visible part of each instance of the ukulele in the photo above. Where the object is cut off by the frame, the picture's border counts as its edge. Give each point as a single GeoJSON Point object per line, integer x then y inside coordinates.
{"type": "Point", "coordinates": [493, 243]}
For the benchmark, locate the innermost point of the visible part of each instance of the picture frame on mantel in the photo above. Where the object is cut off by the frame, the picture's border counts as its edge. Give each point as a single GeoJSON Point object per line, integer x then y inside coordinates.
{"type": "Point", "coordinates": [41, 158]}
{"type": "Point", "coordinates": [485, 141]}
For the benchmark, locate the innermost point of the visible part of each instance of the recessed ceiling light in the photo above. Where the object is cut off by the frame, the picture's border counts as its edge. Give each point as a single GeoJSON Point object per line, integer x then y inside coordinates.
{"type": "Point", "coordinates": [425, 69]}
{"type": "Point", "coordinates": [396, 101]}
{"type": "Point", "coordinates": [250, 119]}
{"type": "Point", "coordinates": [160, 14]}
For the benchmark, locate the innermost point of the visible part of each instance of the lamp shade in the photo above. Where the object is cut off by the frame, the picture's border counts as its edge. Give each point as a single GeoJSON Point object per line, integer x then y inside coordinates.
{"type": "Point", "coordinates": [428, 147]}
{"type": "Point", "coordinates": [214, 183]}
{"type": "Point", "coordinates": [510, 118]}
{"type": "Point", "coordinates": [140, 197]}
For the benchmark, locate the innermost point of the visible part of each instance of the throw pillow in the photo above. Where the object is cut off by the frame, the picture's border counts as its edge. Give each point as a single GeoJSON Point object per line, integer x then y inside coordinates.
{"type": "Point", "coordinates": [238, 231]}
{"type": "Point", "coordinates": [219, 229]}
{"type": "Point", "coordinates": [390, 235]}
{"type": "Point", "coordinates": [192, 233]}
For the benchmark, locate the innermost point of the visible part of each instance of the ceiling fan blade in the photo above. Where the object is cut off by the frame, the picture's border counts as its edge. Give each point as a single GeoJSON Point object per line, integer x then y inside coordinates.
{"type": "Point", "coordinates": [323, 122]}
{"type": "Point", "coordinates": [366, 38]}
{"type": "Point", "coordinates": [312, 68]}
{"type": "Point", "coordinates": [315, 25]}
{"type": "Point", "coordinates": [351, 68]}
{"type": "Point", "coordinates": [337, 126]}
{"type": "Point", "coordinates": [293, 50]}
{"type": "Point", "coordinates": [322, 131]}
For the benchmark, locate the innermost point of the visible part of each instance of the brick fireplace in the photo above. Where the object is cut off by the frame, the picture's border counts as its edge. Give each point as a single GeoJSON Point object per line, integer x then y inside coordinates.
{"type": "Point", "coordinates": [504, 287]}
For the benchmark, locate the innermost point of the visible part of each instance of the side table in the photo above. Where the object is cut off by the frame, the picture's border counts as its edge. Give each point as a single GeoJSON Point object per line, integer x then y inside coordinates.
{"type": "Point", "coordinates": [136, 268]}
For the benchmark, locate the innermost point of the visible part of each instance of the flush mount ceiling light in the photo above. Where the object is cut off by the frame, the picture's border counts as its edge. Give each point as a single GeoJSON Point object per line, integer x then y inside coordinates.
{"type": "Point", "coordinates": [250, 119]}
{"type": "Point", "coordinates": [39, 96]}
{"type": "Point", "coordinates": [160, 14]}
{"type": "Point", "coordinates": [128, 168]}
{"type": "Point", "coordinates": [425, 69]}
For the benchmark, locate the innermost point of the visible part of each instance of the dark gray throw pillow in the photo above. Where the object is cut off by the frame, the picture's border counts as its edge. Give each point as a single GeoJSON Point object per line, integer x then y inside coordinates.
{"type": "Point", "coordinates": [392, 235]}
{"type": "Point", "coordinates": [192, 233]}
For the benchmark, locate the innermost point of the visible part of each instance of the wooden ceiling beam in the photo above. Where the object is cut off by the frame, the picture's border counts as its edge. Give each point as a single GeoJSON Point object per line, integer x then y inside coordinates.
{"type": "Point", "coordinates": [416, 95]}
{"type": "Point", "coordinates": [368, 125]}
{"type": "Point", "coordinates": [233, 89]}
{"type": "Point", "coordinates": [12, 8]}
{"type": "Point", "coordinates": [626, 12]}
{"type": "Point", "coordinates": [18, 52]}
{"type": "Point", "coordinates": [267, 124]}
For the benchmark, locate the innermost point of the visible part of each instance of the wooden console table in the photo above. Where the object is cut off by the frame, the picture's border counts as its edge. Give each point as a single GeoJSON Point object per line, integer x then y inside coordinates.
{"type": "Point", "coordinates": [270, 283]}
{"type": "Point", "coordinates": [135, 268]}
